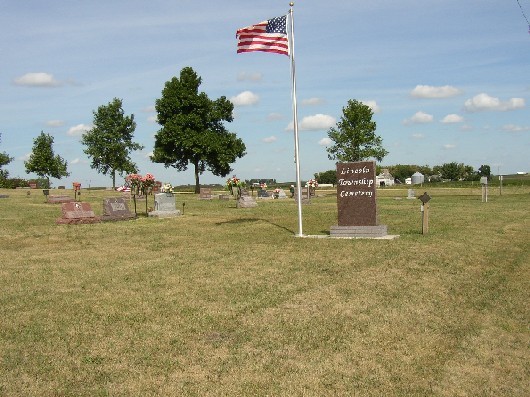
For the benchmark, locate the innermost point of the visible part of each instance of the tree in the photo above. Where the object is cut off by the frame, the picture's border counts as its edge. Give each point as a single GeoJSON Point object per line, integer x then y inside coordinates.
{"type": "Point", "coordinates": [354, 136]}
{"type": "Point", "coordinates": [4, 160]}
{"type": "Point", "coordinates": [109, 142]}
{"type": "Point", "coordinates": [455, 171]}
{"type": "Point", "coordinates": [327, 177]}
{"type": "Point", "coordinates": [43, 161]}
{"type": "Point", "coordinates": [484, 170]}
{"type": "Point", "coordinates": [192, 129]}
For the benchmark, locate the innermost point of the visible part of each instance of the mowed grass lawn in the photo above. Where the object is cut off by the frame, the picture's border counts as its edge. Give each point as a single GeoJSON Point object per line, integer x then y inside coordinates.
{"type": "Point", "coordinates": [228, 302]}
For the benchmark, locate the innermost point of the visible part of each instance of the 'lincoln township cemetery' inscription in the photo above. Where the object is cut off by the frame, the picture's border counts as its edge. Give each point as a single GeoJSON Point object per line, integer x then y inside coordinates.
{"type": "Point", "coordinates": [356, 194]}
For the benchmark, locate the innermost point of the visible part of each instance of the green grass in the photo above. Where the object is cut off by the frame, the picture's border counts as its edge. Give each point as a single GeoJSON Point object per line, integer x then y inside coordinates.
{"type": "Point", "coordinates": [227, 302]}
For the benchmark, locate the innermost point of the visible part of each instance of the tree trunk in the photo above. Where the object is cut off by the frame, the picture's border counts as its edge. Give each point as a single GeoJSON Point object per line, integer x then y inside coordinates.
{"type": "Point", "coordinates": [113, 179]}
{"type": "Point", "coordinates": [197, 184]}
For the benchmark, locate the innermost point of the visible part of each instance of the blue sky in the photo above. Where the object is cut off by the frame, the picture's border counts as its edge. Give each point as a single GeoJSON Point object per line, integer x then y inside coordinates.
{"type": "Point", "coordinates": [448, 80]}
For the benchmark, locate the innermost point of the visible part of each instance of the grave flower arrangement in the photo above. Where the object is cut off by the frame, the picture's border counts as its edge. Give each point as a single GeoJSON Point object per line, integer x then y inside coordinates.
{"type": "Point", "coordinates": [167, 188]}
{"type": "Point", "coordinates": [312, 183]}
{"type": "Point", "coordinates": [148, 181]}
{"type": "Point", "coordinates": [263, 186]}
{"type": "Point", "coordinates": [234, 185]}
{"type": "Point", "coordinates": [276, 193]}
{"type": "Point", "coordinates": [134, 181]}
{"type": "Point", "coordinates": [140, 185]}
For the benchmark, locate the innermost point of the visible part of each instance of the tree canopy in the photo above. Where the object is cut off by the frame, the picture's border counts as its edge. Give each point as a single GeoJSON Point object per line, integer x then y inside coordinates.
{"type": "Point", "coordinates": [354, 136]}
{"type": "Point", "coordinates": [5, 159]}
{"type": "Point", "coordinates": [110, 142]}
{"type": "Point", "coordinates": [192, 129]}
{"type": "Point", "coordinates": [42, 160]}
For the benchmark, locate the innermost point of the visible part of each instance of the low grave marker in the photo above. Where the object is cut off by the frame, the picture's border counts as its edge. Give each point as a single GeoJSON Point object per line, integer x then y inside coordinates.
{"type": "Point", "coordinates": [77, 213]}
{"type": "Point", "coordinates": [165, 206]}
{"type": "Point", "coordinates": [205, 193]}
{"type": "Point", "coordinates": [116, 209]}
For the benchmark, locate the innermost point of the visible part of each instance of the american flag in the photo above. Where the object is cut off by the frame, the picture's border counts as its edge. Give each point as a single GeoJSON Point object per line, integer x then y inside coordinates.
{"type": "Point", "coordinates": [266, 36]}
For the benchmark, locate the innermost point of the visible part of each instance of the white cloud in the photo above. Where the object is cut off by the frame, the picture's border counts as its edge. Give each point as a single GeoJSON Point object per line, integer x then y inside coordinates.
{"type": "Point", "coordinates": [269, 139]}
{"type": "Point", "coordinates": [78, 130]}
{"type": "Point", "coordinates": [372, 105]}
{"type": "Point", "coordinates": [325, 141]}
{"type": "Point", "coordinates": [420, 118]}
{"type": "Point", "coordinates": [54, 123]}
{"type": "Point", "coordinates": [246, 98]}
{"type": "Point", "coordinates": [149, 109]}
{"type": "Point", "coordinates": [314, 123]}
{"type": "Point", "coordinates": [24, 157]}
{"type": "Point", "coordinates": [247, 76]}
{"type": "Point", "coordinates": [418, 136]}
{"type": "Point", "coordinates": [514, 128]}
{"type": "Point", "coordinates": [75, 161]}
{"type": "Point", "coordinates": [274, 116]}
{"type": "Point", "coordinates": [312, 101]}
{"type": "Point", "coordinates": [449, 146]}
{"type": "Point", "coordinates": [152, 119]}
{"type": "Point", "coordinates": [37, 80]}
{"type": "Point", "coordinates": [452, 118]}
{"type": "Point", "coordinates": [148, 155]}
{"type": "Point", "coordinates": [428, 91]}
{"type": "Point", "coordinates": [484, 102]}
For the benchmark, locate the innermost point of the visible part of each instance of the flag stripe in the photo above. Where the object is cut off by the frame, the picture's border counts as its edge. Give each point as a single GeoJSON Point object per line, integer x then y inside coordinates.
{"type": "Point", "coordinates": [266, 36]}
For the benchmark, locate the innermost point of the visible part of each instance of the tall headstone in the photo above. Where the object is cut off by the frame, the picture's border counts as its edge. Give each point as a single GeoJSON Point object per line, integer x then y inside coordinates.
{"type": "Point", "coordinates": [356, 204]}
{"type": "Point", "coordinates": [205, 193]}
{"type": "Point", "coordinates": [165, 206]}
{"type": "Point", "coordinates": [116, 209]}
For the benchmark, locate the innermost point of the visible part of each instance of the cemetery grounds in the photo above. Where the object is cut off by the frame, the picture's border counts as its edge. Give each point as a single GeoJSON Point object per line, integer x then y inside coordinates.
{"type": "Point", "coordinates": [228, 302]}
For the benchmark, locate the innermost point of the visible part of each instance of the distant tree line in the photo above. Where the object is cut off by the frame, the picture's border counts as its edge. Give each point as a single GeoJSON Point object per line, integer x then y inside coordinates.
{"type": "Point", "coordinates": [446, 172]}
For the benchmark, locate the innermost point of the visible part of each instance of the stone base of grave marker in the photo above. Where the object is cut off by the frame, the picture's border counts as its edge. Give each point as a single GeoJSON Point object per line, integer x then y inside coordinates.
{"type": "Point", "coordinates": [77, 213]}
{"type": "Point", "coordinates": [359, 231]}
{"type": "Point", "coordinates": [4, 195]}
{"type": "Point", "coordinates": [246, 202]}
{"type": "Point", "coordinates": [224, 197]}
{"type": "Point", "coordinates": [59, 199]}
{"type": "Point", "coordinates": [116, 209]}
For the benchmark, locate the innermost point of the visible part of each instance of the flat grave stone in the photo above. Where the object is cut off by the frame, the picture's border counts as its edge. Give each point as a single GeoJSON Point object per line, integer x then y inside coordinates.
{"type": "Point", "coordinates": [411, 194]}
{"type": "Point", "coordinates": [224, 197]}
{"type": "Point", "coordinates": [4, 195]}
{"type": "Point", "coordinates": [56, 199]}
{"type": "Point", "coordinates": [77, 213]}
{"type": "Point", "coordinates": [116, 209]}
{"type": "Point", "coordinates": [262, 193]}
{"type": "Point", "coordinates": [165, 206]}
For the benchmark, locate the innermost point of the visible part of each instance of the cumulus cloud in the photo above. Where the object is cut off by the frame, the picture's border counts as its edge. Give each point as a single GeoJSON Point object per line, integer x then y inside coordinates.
{"type": "Point", "coordinates": [420, 118]}
{"type": "Point", "coordinates": [432, 92]}
{"type": "Point", "coordinates": [248, 76]}
{"type": "Point", "coordinates": [449, 146]}
{"type": "Point", "coordinates": [75, 161]}
{"type": "Point", "coordinates": [372, 105]}
{"type": "Point", "coordinates": [37, 80]}
{"type": "Point", "coordinates": [274, 116]}
{"type": "Point", "coordinates": [149, 155]}
{"type": "Point", "coordinates": [484, 102]}
{"type": "Point", "coordinates": [314, 123]}
{"type": "Point", "coordinates": [78, 130]}
{"type": "Point", "coordinates": [149, 109]}
{"type": "Point", "coordinates": [152, 119]}
{"type": "Point", "coordinates": [54, 123]}
{"type": "Point", "coordinates": [312, 101]}
{"type": "Point", "coordinates": [452, 118]}
{"type": "Point", "coordinates": [325, 142]}
{"type": "Point", "coordinates": [418, 136]}
{"type": "Point", "coordinates": [514, 128]}
{"type": "Point", "coordinates": [269, 139]}
{"type": "Point", "coordinates": [24, 157]}
{"type": "Point", "coordinates": [246, 98]}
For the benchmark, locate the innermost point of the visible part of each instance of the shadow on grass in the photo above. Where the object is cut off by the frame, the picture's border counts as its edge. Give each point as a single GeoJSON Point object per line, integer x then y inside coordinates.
{"type": "Point", "coordinates": [249, 220]}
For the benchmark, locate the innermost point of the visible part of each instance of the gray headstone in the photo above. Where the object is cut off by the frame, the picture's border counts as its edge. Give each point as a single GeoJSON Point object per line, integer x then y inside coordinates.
{"type": "Point", "coordinates": [411, 194]}
{"type": "Point", "coordinates": [246, 202]}
{"type": "Point", "coordinates": [281, 194]}
{"type": "Point", "coordinates": [165, 206]}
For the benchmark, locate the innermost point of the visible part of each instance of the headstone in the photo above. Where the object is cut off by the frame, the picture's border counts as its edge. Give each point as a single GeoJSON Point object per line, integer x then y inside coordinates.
{"type": "Point", "coordinates": [116, 209]}
{"type": "Point", "coordinates": [224, 197]}
{"type": "Point", "coordinates": [357, 212]}
{"type": "Point", "coordinates": [59, 199]}
{"type": "Point", "coordinates": [246, 202]}
{"type": "Point", "coordinates": [165, 206]}
{"type": "Point", "coordinates": [77, 213]}
{"type": "Point", "coordinates": [281, 194]}
{"type": "Point", "coordinates": [262, 193]}
{"type": "Point", "coordinates": [205, 193]}
{"type": "Point", "coordinates": [411, 194]}
{"type": "Point", "coordinates": [4, 195]}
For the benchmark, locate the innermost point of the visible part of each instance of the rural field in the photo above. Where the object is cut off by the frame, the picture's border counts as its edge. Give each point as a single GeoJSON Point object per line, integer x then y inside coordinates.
{"type": "Point", "coordinates": [228, 302]}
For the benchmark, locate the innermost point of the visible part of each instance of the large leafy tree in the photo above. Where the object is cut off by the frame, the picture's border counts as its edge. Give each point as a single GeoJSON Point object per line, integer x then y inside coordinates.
{"type": "Point", "coordinates": [5, 159]}
{"type": "Point", "coordinates": [42, 160]}
{"type": "Point", "coordinates": [110, 142]}
{"type": "Point", "coordinates": [192, 130]}
{"type": "Point", "coordinates": [354, 137]}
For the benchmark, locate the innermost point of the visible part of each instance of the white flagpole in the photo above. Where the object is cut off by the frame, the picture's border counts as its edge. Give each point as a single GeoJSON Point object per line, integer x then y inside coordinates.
{"type": "Point", "coordinates": [295, 124]}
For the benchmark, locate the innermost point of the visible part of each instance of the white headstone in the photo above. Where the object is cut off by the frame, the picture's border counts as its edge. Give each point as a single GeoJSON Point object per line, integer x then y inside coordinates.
{"type": "Point", "coordinates": [165, 206]}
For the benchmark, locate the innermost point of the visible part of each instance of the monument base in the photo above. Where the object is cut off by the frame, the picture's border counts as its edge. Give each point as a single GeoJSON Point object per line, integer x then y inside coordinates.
{"type": "Point", "coordinates": [358, 231]}
{"type": "Point", "coordinates": [164, 214]}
